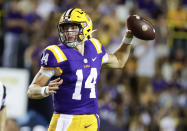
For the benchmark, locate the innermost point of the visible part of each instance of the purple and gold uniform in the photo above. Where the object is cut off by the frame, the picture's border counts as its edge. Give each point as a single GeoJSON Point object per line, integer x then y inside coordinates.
{"type": "Point", "coordinates": [78, 93]}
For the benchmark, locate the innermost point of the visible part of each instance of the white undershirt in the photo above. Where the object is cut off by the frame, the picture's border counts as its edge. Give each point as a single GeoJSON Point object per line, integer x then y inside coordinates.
{"type": "Point", "coordinates": [105, 58]}
{"type": "Point", "coordinates": [49, 73]}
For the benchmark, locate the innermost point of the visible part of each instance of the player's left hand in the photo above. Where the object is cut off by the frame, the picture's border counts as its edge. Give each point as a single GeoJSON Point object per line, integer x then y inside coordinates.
{"type": "Point", "coordinates": [55, 83]}
{"type": "Point", "coordinates": [53, 86]}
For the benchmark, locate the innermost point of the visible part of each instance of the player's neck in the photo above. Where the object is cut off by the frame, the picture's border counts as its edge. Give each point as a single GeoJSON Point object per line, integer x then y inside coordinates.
{"type": "Point", "coordinates": [80, 48]}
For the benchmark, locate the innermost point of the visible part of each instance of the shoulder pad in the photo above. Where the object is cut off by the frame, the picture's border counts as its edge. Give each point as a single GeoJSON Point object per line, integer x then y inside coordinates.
{"type": "Point", "coordinates": [97, 45]}
{"type": "Point", "coordinates": [57, 52]}
{"type": "Point", "coordinates": [52, 56]}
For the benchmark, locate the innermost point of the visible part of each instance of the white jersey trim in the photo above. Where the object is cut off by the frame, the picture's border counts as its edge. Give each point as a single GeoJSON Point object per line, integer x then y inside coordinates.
{"type": "Point", "coordinates": [64, 122]}
{"type": "Point", "coordinates": [48, 73]}
{"type": "Point", "coordinates": [105, 58]}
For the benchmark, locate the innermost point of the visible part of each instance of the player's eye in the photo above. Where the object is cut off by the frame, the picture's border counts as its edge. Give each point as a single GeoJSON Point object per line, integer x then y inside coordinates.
{"type": "Point", "coordinates": [75, 27]}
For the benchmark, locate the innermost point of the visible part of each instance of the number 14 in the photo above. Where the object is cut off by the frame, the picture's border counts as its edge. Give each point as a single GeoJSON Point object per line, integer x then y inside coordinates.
{"type": "Point", "coordinates": [90, 83]}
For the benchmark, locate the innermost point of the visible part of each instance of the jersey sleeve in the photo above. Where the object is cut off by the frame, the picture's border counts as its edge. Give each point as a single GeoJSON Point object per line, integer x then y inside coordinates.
{"type": "Point", "coordinates": [52, 58]}
{"type": "Point", "coordinates": [103, 50]}
{"type": "Point", "coordinates": [48, 59]}
{"type": "Point", "coordinates": [99, 47]}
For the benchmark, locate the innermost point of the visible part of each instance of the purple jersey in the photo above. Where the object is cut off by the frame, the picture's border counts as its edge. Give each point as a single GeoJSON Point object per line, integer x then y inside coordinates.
{"type": "Point", "coordinates": [78, 93]}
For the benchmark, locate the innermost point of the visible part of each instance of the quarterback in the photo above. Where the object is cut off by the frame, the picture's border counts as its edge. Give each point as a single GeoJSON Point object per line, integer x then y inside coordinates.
{"type": "Point", "coordinates": [73, 68]}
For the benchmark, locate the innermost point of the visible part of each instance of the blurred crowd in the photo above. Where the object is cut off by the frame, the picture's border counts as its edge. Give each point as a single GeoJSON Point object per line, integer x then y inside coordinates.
{"type": "Point", "coordinates": [149, 94]}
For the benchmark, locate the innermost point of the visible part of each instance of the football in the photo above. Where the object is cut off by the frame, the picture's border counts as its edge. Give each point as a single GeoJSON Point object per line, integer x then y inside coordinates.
{"type": "Point", "coordinates": [140, 27]}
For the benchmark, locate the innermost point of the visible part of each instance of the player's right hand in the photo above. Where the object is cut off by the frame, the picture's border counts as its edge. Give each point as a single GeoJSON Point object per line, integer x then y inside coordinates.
{"type": "Point", "coordinates": [53, 86]}
{"type": "Point", "coordinates": [129, 34]}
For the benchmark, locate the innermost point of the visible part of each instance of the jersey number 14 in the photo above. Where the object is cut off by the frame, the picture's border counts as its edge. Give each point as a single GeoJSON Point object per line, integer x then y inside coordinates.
{"type": "Point", "coordinates": [90, 83]}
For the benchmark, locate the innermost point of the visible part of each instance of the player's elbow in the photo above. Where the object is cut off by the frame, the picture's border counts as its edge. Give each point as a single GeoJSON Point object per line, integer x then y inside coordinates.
{"type": "Point", "coordinates": [117, 65]}
{"type": "Point", "coordinates": [121, 64]}
{"type": "Point", "coordinates": [29, 93]}
{"type": "Point", "coordinates": [120, 60]}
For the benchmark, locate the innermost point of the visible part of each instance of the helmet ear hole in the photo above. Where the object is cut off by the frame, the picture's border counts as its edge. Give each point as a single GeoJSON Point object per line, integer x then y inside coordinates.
{"type": "Point", "coordinates": [88, 30]}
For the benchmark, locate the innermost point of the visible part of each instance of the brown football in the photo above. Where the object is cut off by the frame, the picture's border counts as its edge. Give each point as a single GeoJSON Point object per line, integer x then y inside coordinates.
{"type": "Point", "coordinates": [140, 27]}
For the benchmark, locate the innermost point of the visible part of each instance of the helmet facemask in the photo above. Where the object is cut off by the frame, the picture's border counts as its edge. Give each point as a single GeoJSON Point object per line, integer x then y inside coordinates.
{"type": "Point", "coordinates": [69, 33]}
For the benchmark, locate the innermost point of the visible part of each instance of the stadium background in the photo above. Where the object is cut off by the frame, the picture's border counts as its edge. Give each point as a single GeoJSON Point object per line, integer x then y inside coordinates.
{"type": "Point", "coordinates": [149, 94]}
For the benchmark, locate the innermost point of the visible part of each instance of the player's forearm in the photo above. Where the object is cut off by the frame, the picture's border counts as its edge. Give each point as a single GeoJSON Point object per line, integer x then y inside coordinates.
{"type": "Point", "coordinates": [37, 87]}
{"type": "Point", "coordinates": [34, 92]}
{"type": "Point", "coordinates": [122, 54]}
{"type": "Point", "coordinates": [119, 58]}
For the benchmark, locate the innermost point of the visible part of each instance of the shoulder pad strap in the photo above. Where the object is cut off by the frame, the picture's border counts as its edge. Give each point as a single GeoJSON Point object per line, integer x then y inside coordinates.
{"type": "Point", "coordinates": [57, 52]}
{"type": "Point", "coordinates": [97, 45]}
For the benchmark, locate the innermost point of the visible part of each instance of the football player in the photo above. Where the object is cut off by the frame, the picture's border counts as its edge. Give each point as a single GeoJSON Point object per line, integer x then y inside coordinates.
{"type": "Point", "coordinates": [77, 61]}
{"type": "Point", "coordinates": [2, 107]}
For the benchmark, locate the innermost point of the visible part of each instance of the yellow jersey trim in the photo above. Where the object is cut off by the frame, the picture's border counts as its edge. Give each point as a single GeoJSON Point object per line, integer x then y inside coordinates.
{"type": "Point", "coordinates": [97, 45]}
{"type": "Point", "coordinates": [58, 53]}
{"type": "Point", "coordinates": [58, 69]}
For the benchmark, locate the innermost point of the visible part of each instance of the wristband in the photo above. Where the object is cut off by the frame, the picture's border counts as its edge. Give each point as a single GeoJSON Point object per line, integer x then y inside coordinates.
{"type": "Point", "coordinates": [127, 40]}
{"type": "Point", "coordinates": [43, 91]}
